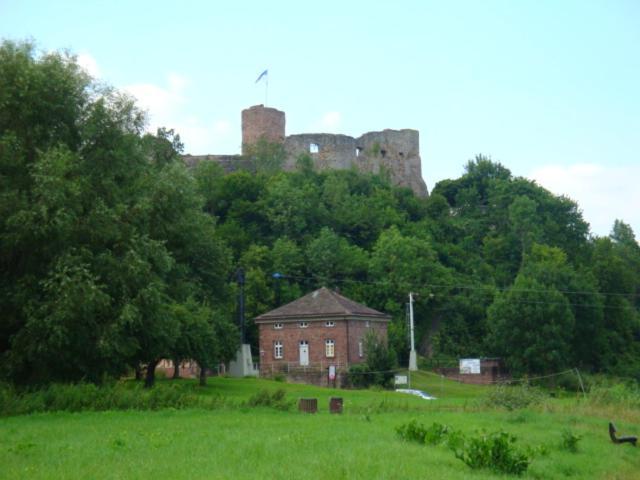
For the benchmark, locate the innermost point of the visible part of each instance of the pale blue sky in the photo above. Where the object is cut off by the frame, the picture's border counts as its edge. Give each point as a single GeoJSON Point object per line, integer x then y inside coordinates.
{"type": "Point", "coordinates": [551, 89]}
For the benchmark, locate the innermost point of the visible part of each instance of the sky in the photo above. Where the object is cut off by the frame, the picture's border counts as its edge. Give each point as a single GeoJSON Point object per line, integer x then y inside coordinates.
{"type": "Point", "coordinates": [548, 88]}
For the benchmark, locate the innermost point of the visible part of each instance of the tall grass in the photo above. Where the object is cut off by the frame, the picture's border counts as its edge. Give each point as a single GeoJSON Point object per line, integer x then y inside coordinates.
{"type": "Point", "coordinates": [116, 396]}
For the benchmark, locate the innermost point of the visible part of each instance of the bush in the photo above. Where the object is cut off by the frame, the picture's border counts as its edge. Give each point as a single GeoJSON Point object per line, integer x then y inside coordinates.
{"type": "Point", "coordinates": [570, 441]}
{"type": "Point", "coordinates": [275, 399]}
{"type": "Point", "coordinates": [358, 376]}
{"type": "Point", "coordinates": [513, 398]}
{"type": "Point", "coordinates": [412, 432]}
{"type": "Point", "coordinates": [495, 451]}
{"type": "Point", "coordinates": [417, 432]}
{"type": "Point", "coordinates": [378, 369]}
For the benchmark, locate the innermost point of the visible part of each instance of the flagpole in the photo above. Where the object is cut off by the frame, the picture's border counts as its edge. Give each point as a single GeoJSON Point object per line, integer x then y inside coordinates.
{"type": "Point", "coordinates": [266, 90]}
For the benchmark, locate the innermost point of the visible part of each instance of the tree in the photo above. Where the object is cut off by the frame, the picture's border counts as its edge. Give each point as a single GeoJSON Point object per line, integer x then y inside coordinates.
{"type": "Point", "coordinates": [531, 325]}
{"type": "Point", "coordinates": [102, 228]}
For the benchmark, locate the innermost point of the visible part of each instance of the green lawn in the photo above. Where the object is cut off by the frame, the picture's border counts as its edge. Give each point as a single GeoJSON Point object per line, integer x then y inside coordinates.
{"type": "Point", "coordinates": [238, 442]}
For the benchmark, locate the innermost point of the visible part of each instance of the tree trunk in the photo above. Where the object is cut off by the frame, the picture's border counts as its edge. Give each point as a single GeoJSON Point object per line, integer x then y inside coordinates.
{"type": "Point", "coordinates": [150, 378]}
{"type": "Point", "coordinates": [176, 368]}
{"type": "Point", "coordinates": [138, 371]}
{"type": "Point", "coordinates": [203, 376]}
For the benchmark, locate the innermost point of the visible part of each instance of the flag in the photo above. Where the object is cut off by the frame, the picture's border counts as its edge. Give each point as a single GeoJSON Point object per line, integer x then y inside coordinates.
{"type": "Point", "coordinates": [263, 74]}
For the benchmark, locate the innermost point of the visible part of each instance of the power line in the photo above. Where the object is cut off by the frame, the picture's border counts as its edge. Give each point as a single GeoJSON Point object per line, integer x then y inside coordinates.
{"type": "Point", "coordinates": [487, 288]}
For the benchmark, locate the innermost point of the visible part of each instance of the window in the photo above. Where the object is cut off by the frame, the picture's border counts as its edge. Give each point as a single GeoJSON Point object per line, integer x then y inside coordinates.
{"type": "Point", "coordinates": [277, 326]}
{"type": "Point", "coordinates": [360, 349]}
{"type": "Point", "coordinates": [278, 350]}
{"type": "Point", "coordinates": [383, 153]}
{"type": "Point", "coordinates": [303, 324]}
{"type": "Point", "coordinates": [358, 150]}
{"type": "Point", "coordinates": [330, 348]}
{"type": "Point", "coordinates": [368, 324]}
{"type": "Point", "coordinates": [314, 148]}
{"type": "Point", "coordinates": [329, 323]}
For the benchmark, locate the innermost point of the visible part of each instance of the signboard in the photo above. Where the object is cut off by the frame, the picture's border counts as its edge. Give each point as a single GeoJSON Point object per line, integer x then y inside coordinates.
{"type": "Point", "coordinates": [470, 366]}
{"type": "Point", "coordinates": [401, 380]}
{"type": "Point", "coordinates": [332, 372]}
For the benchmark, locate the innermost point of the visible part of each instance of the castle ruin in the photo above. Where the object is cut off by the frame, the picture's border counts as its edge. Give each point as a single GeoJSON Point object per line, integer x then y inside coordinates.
{"type": "Point", "coordinates": [396, 152]}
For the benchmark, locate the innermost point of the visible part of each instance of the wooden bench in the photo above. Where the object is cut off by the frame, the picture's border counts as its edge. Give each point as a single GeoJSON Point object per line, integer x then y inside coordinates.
{"type": "Point", "coordinates": [628, 439]}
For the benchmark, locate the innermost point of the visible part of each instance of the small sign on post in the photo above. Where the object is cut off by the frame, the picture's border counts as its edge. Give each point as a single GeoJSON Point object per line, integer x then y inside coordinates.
{"type": "Point", "coordinates": [470, 366]}
{"type": "Point", "coordinates": [401, 380]}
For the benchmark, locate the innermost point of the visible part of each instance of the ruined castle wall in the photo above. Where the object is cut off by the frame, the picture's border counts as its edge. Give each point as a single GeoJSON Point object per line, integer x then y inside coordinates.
{"type": "Point", "coordinates": [327, 151]}
{"type": "Point", "coordinates": [229, 163]}
{"type": "Point", "coordinates": [395, 151]}
{"type": "Point", "coordinates": [262, 122]}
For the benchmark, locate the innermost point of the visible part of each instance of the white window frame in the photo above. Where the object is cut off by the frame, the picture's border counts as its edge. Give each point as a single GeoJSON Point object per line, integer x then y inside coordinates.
{"type": "Point", "coordinates": [277, 326]}
{"type": "Point", "coordinates": [329, 323]}
{"type": "Point", "coordinates": [278, 350]}
{"type": "Point", "coordinates": [303, 324]}
{"type": "Point", "coordinates": [330, 348]}
{"type": "Point", "coordinates": [360, 349]}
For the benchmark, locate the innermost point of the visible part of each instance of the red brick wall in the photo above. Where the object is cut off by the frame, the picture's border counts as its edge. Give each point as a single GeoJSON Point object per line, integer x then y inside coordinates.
{"type": "Point", "coordinates": [358, 331]}
{"type": "Point", "coordinates": [316, 333]}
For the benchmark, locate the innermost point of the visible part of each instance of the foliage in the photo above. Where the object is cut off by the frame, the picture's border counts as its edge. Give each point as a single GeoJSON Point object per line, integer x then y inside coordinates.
{"type": "Point", "coordinates": [412, 432]}
{"type": "Point", "coordinates": [57, 397]}
{"type": "Point", "coordinates": [378, 367]}
{"type": "Point", "coordinates": [570, 441]}
{"type": "Point", "coordinates": [113, 254]}
{"type": "Point", "coordinates": [275, 399]}
{"type": "Point", "coordinates": [494, 451]}
{"type": "Point", "coordinates": [102, 230]}
{"type": "Point", "coordinates": [513, 397]}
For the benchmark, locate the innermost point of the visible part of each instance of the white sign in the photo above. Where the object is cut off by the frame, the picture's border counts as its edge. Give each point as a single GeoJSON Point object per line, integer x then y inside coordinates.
{"type": "Point", "coordinates": [401, 380]}
{"type": "Point", "coordinates": [332, 372]}
{"type": "Point", "coordinates": [470, 366]}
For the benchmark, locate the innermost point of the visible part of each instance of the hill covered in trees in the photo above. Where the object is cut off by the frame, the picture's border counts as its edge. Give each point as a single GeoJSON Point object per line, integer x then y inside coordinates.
{"type": "Point", "coordinates": [114, 254]}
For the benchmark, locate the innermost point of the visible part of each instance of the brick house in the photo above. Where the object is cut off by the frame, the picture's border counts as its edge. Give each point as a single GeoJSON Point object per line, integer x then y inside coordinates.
{"type": "Point", "coordinates": [317, 335]}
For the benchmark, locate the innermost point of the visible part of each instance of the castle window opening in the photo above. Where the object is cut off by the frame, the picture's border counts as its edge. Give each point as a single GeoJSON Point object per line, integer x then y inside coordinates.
{"type": "Point", "coordinates": [314, 148]}
{"type": "Point", "coordinates": [401, 154]}
{"type": "Point", "coordinates": [383, 153]}
{"type": "Point", "coordinates": [358, 150]}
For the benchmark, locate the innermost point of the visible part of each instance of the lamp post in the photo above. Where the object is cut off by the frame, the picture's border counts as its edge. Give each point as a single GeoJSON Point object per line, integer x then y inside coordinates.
{"type": "Point", "coordinates": [413, 359]}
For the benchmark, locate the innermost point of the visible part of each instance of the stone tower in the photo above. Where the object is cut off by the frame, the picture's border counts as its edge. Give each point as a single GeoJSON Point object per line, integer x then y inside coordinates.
{"type": "Point", "coordinates": [262, 122]}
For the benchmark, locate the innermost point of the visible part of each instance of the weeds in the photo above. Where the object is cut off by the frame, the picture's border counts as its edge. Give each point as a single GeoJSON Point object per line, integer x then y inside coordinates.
{"type": "Point", "coordinates": [495, 451]}
{"type": "Point", "coordinates": [275, 399]}
{"type": "Point", "coordinates": [513, 398]}
{"type": "Point", "coordinates": [87, 396]}
{"type": "Point", "coordinates": [570, 441]}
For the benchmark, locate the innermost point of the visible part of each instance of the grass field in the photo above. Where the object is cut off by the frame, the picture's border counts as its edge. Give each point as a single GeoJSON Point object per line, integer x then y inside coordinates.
{"type": "Point", "coordinates": [235, 441]}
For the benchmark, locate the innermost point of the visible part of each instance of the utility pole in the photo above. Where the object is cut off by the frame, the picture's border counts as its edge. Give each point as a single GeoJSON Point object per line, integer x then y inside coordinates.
{"type": "Point", "coordinates": [240, 280]}
{"type": "Point", "coordinates": [413, 359]}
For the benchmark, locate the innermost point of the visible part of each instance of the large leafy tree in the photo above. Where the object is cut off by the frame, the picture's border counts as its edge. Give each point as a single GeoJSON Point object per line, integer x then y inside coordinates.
{"type": "Point", "coordinates": [102, 229]}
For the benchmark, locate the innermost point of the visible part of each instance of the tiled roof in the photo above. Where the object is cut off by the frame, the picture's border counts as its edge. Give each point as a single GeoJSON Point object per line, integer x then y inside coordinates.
{"type": "Point", "coordinates": [322, 303]}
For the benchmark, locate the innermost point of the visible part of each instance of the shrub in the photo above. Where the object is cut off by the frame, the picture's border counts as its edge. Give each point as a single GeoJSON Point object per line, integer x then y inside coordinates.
{"type": "Point", "coordinates": [275, 399]}
{"type": "Point", "coordinates": [417, 432]}
{"type": "Point", "coordinates": [436, 433]}
{"type": "Point", "coordinates": [513, 398]}
{"type": "Point", "coordinates": [570, 441]}
{"type": "Point", "coordinates": [495, 451]}
{"type": "Point", "coordinates": [358, 376]}
{"type": "Point", "coordinates": [412, 432]}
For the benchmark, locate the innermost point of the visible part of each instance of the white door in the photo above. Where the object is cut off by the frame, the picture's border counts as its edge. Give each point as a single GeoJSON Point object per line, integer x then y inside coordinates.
{"type": "Point", "coordinates": [304, 353]}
